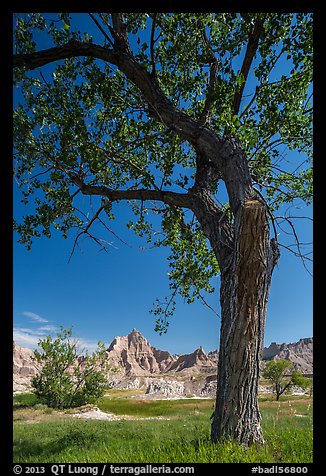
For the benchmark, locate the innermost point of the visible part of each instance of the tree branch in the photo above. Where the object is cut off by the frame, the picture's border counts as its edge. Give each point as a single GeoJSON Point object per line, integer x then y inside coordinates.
{"type": "Point", "coordinates": [153, 72]}
{"type": "Point", "coordinates": [159, 106]}
{"type": "Point", "coordinates": [119, 32]}
{"type": "Point", "coordinates": [252, 46]}
{"type": "Point", "coordinates": [117, 159]}
{"type": "Point", "coordinates": [71, 49]}
{"type": "Point", "coordinates": [297, 243]}
{"type": "Point", "coordinates": [170, 198]}
{"type": "Point", "coordinates": [89, 224]}
{"type": "Point", "coordinates": [100, 28]}
{"type": "Point", "coordinates": [207, 305]}
{"type": "Point", "coordinates": [226, 154]}
{"type": "Point", "coordinates": [209, 100]}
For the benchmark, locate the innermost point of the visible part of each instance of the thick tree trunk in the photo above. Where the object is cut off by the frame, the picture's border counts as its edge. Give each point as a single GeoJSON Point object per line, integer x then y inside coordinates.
{"type": "Point", "coordinates": [245, 286]}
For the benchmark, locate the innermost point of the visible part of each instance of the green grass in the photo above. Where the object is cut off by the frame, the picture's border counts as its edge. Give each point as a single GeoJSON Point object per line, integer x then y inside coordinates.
{"type": "Point", "coordinates": [182, 437]}
{"type": "Point", "coordinates": [24, 400]}
{"type": "Point", "coordinates": [154, 408]}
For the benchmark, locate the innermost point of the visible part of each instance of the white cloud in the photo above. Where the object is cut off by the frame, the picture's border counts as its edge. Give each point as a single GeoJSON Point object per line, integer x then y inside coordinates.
{"type": "Point", "coordinates": [29, 338]}
{"type": "Point", "coordinates": [25, 339]}
{"type": "Point", "coordinates": [49, 328]}
{"type": "Point", "coordinates": [34, 317]}
{"type": "Point", "coordinates": [86, 344]}
{"type": "Point", "coordinates": [35, 332]}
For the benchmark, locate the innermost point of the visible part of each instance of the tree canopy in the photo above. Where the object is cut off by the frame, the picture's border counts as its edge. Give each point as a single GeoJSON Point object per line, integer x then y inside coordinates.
{"type": "Point", "coordinates": [118, 110]}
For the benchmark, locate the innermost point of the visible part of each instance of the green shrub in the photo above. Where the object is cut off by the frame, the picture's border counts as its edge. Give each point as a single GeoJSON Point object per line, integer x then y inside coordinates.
{"type": "Point", "coordinates": [63, 382]}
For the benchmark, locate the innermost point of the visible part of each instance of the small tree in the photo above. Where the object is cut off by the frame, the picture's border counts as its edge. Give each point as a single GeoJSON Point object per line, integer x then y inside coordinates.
{"type": "Point", "coordinates": [275, 371]}
{"type": "Point", "coordinates": [68, 379]}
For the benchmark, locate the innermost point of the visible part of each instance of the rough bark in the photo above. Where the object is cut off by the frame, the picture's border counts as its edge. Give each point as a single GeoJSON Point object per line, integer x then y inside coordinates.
{"type": "Point", "coordinates": [244, 292]}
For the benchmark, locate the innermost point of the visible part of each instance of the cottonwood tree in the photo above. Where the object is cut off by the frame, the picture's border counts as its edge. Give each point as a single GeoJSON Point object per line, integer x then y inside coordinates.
{"type": "Point", "coordinates": [278, 372]}
{"type": "Point", "coordinates": [186, 117]}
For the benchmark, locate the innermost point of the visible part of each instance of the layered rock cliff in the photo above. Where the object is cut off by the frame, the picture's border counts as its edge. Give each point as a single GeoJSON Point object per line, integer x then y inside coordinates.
{"type": "Point", "coordinates": [299, 353]}
{"type": "Point", "coordinates": [23, 368]}
{"type": "Point", "coordinates": [134, 355]}
{"type": "Point", "coordinates": [137, 362]}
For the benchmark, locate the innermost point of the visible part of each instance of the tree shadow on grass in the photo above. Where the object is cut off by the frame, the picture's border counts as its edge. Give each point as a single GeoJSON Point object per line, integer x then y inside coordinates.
{"type": "Point", "coordinates": [25, 449]}
{"type": "Point", "coordinates": [21, 406]}
{"type": "Point", "coordinates": [24, 401]}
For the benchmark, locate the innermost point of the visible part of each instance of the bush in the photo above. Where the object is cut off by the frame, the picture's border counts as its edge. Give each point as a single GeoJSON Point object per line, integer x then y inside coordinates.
{"type": "Point", "coordinates": [66, 378]}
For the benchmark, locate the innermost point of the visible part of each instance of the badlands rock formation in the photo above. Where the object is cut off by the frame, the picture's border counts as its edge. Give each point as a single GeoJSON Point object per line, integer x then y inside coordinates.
{"type": "Point", "coordinates": [166, 388]}
{"type": "Point", "coordinates": [23, 368]}
{"type": "Point", "coordinates": [137, 364]}
{"type": "Point", "coordinates": [299, 353]}
{"type": "Point", "coordinates": [197, 362]}
{"type": "Point", "coordinates": [133, 355]}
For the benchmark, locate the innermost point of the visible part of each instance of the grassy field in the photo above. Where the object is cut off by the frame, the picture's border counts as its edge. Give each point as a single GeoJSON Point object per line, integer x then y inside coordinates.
{"type": "Point", "coordinates": [43, 435]}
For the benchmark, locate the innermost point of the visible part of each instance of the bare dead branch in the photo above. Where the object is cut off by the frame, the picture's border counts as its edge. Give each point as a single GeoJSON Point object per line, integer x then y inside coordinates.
{"type": "Point", "coordinates": [85, 231]}
{"type": "Point", "coordinates": [298, 244]}
{"type": "Point", "coordinates": [207, 305]}
{"type": "Point", "coordinates": [112, 232]}
{"type": "Point", "coordinates": [288, 195]}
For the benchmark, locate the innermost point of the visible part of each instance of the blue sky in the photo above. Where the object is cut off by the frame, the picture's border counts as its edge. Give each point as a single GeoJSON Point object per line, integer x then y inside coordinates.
{"type": "Point", "coordinates": [104, 295]}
